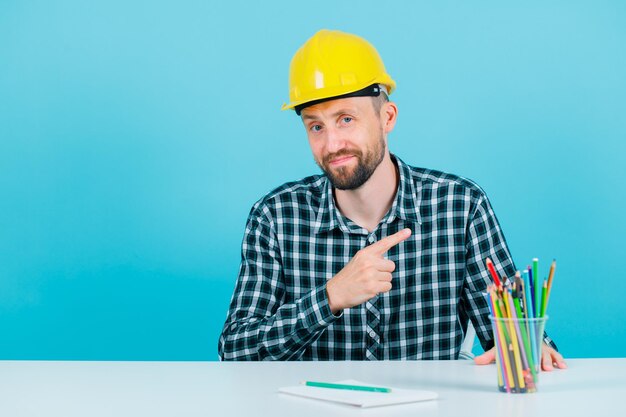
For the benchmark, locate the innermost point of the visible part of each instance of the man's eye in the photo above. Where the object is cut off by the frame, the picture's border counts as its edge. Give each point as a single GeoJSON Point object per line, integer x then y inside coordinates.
{"type": "Point", "coordinates": [316, 128]}
{"type": "Point", "coordinates": [347, 119]}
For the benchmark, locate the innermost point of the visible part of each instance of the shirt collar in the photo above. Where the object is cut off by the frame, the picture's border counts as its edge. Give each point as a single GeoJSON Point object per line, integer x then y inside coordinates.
{"type": "Point", "coordinates": [328, 214]}
{"type": "Point", "coordinates": [405, 205]}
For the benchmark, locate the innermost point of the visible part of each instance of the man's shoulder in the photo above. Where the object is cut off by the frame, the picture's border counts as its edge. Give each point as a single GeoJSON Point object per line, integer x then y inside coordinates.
{"type": "Point", "coordinates": [303, 192]}
{"type": "Point", "coordinates": [430, 178]}
{"type": "Point", "coordinates": [311, 185]}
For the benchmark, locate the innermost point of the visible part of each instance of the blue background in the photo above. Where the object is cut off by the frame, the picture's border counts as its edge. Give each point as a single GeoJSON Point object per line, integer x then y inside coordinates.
{"type": "Point", "coordinates": [135, 136]}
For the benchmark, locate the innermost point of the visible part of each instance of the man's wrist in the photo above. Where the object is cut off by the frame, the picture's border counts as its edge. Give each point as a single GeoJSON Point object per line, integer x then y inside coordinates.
{"type": "Point", "coordinates": [332, 299]}
{"type": "Point", "coordinates": [317, 314]}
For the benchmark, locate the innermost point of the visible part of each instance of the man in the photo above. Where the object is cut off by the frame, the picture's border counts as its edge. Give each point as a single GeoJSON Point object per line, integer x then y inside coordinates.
{"type": "Point", "coordinates": [375, 259]}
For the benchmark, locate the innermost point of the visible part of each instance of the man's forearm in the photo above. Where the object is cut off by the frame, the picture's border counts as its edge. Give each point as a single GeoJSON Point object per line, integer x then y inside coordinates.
{"type": "Point", "coordinates": [285, 335]}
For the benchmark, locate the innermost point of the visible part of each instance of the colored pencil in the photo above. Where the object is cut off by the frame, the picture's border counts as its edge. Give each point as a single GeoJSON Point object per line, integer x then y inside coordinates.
{"type": "Point", "coordinates": [544, 297]}
{"type": "Point", "coordinates": [522, 339]}
{"type": "Point", "coordinates": [550, 278]}
{"type": "Point", "coordinates": [513, 346]}
{"type": "Point", "coordinates": [508, 373]}
{"type": "Point", "coordinates": [531, 292]}
{"type": "Point", "coordinates": [346, 386]}
{"type": "Point", "coordinates": [537, 287]}
{"type": "Point", "coordinates": [494, 274]}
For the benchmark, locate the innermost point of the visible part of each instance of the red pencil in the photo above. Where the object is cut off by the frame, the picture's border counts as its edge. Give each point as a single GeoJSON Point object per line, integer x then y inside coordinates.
{"type": "Point", "coordinates": [493, 272]}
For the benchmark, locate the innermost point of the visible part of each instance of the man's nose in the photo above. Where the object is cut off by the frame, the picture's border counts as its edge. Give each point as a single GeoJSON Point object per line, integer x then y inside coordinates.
{"type": "Point", "coordinates": [334, 140]}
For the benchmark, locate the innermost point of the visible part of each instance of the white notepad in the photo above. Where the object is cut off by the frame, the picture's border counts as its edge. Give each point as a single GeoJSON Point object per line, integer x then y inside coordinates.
{"type": "Point", "coordinates": [360, 398]}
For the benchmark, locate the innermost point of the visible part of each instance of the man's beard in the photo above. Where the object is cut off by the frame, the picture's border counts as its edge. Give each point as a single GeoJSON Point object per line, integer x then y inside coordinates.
{"type": "Point", "coordinates": [347, 178]}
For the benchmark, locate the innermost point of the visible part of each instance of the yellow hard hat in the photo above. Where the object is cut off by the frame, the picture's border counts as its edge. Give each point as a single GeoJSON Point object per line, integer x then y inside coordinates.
{"type": "Point", "coordinates": [335, 64]}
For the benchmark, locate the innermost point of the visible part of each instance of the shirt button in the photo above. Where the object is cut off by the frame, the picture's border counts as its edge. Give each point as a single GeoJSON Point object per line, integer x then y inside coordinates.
{"type": "Point", "coordinates": [371, 239]}
{"type": "Point", "coordinates": [372, 334]}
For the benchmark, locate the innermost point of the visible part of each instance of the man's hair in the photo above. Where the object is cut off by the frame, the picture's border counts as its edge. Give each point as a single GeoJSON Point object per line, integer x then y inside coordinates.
{"type": "Point", "coordinates": [379, 100]}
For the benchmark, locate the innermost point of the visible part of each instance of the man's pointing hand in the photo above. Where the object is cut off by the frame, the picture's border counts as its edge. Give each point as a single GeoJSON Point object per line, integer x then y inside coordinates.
{"type": "Point", "coordinates": [368, 273]}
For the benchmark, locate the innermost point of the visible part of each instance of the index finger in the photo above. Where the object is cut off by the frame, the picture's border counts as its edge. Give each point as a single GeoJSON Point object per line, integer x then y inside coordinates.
{"type": "Point", "coordinates": [383, 245]}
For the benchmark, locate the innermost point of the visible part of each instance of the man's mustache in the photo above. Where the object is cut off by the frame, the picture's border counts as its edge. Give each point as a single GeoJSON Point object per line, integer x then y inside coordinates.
{"type": "Point", "coordinates": [341, 154]}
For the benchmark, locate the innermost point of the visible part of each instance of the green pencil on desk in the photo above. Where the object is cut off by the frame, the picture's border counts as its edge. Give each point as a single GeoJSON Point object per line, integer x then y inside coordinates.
{"type": "Point", "coordinates": [346, 386]}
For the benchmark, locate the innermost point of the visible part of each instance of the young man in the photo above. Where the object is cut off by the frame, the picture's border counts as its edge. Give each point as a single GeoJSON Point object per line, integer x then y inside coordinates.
{"type": "Point", "coordinates": [374, 259]}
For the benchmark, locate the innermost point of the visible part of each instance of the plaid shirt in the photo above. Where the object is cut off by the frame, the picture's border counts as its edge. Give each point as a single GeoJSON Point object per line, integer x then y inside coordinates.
{"type": "Point", "coordinates": [296, 240]}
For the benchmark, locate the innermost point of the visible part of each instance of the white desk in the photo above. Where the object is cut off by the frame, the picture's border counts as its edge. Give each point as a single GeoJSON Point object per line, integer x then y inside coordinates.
{"type": "Point", "coordinates": [594, 387]}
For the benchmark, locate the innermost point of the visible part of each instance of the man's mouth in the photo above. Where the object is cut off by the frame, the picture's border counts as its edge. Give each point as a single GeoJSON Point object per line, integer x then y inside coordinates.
{"type": "Point", "coordinates": [341, 160]}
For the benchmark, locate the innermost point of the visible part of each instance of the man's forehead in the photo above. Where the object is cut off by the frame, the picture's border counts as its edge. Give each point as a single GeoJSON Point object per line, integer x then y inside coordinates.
{"type": "Point", "coordinates": [341, 105]}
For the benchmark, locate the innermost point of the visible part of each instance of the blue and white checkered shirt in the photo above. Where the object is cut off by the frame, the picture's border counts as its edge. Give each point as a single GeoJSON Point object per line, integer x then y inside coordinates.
{"type": "Point", "coordinates": [296, 240]}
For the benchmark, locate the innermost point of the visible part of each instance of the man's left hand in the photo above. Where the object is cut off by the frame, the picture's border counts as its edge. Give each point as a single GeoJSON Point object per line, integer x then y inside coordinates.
{"type": "Point", "coordinates": [550, 358]}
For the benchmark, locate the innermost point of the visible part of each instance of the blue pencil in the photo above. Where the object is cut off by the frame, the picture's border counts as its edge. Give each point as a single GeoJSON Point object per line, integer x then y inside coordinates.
{"type": "Point", "coordinates": [528, 302]}
{"type": "Point", "coordinates": [528, 290]}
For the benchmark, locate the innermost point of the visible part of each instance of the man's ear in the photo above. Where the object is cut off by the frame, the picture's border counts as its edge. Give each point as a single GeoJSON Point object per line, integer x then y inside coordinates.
{"type": "Point", "coordinates": [389, 116]}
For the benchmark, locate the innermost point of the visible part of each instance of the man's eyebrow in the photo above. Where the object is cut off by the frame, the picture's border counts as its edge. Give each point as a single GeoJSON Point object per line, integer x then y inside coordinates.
{"type": "Point", "coordinates": [308, 117]}
{"type": "Point", "coordinates": [335, 114]}
{"type": "Point", "coordinates": [345, 110]}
